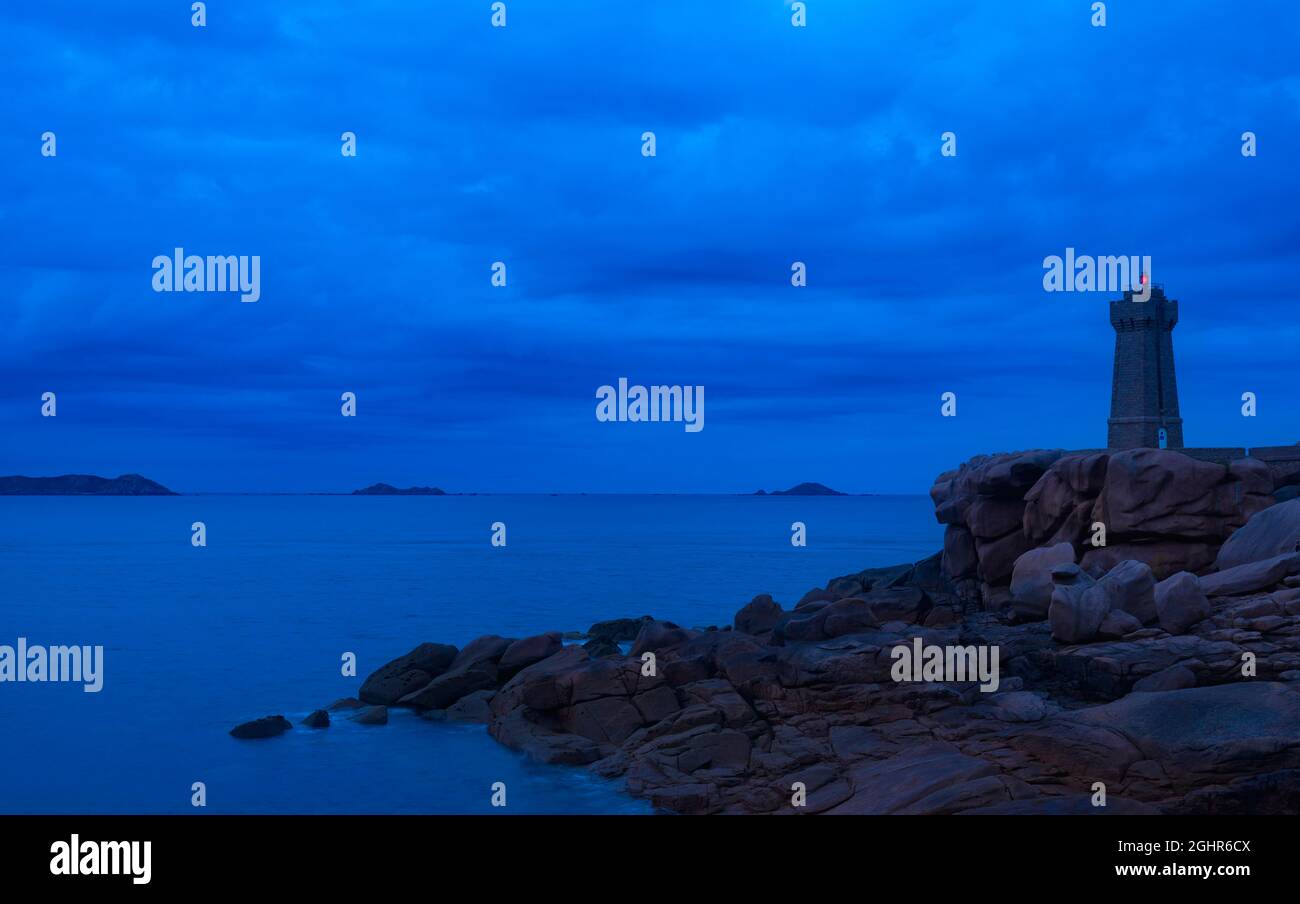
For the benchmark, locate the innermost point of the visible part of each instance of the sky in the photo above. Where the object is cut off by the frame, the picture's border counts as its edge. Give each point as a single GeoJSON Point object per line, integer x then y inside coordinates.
{"type": "Point", "coordinates": [523, 144]}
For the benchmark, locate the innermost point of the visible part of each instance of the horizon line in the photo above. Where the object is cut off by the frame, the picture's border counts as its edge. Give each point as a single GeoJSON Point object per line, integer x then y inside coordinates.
{"type": "Point", "coordinates": [445, 493]}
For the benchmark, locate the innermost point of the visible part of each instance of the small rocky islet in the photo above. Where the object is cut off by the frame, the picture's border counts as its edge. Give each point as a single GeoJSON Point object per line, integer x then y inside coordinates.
{"type": "Point", "coordinates": [803, 489]}
{"type": "Point", "coordinates": [1164, 665]}
{"type": "Point", "coordinates": [385, 489]}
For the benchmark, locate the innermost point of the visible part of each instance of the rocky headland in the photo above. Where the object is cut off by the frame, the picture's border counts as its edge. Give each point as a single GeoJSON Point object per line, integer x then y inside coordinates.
{"type": "Point", "coordinates": [1159, 672]}
{"type": "Point", "coordinates": [82, 485]}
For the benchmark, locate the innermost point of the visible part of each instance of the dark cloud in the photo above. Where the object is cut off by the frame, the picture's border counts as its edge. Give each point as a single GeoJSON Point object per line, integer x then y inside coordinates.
{"type": "Point", "coordinates": [522, 145]}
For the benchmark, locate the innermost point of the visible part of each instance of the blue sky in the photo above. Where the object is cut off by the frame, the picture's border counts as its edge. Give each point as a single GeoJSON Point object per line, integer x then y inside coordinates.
{"type": "Point", "coordinates": [523, 144]}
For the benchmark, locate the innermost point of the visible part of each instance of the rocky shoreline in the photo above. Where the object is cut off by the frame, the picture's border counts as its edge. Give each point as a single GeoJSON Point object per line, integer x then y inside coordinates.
{"type": "Point", "coordinates": [1159, 673]}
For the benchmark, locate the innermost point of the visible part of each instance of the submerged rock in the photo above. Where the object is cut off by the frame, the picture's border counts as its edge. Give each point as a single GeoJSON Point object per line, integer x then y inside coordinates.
{"type": "Point", "coordinates": [374, 715]}
{"type": "Point", "coordinates": [265, 727]}
{"type": "Point", "coordinates": [317, 719]}
{"type": "Point", "coordinates": [473, 707]}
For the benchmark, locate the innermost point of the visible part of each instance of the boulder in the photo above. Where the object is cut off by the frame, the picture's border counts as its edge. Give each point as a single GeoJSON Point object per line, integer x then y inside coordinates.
{"type": "Point", "coordinates": [618, 630]}
{"type": "Point", "coordinates": [927, 575]}
{"type": "Point", "coordinates": [1005, 476]}
{"type": "Point", "coordinates": [449, 687]}
{"type": "Point", "coordinates": [950, 497]}
{"type": "Point", "coordinates": [1251, 577]}
{"type": "Point", "coordinates": [486, 649]}
{"type": "Point", "coordinates": [1013, 475]}
{"type": "Point", "coordinates": [989, 518]}
{"type": "Point", "coordinates": [1198, 735]}
{"type": "Point", "coordinates": [995, 599]}
{"type": "Point", "coordinates": [759, 615]}
{"type": "Point", "coordinates": [846, 586]}
{"type": "Point", "coordinates": [907, 604]}
{"type": "Point", "coordinates": [1273, 532]}
{"type": "Point", "coordinates": [1031, 579]}
{"type": "Point", "coordinates": [959, 556]}
{"type": "Point", "coordinates": [1075, 612]}
{"type": "Point", "coordinates": [1080, 605]}
{"type": "Point", "coordinates": [1118, 623]}
{"type": "Point", "coordinates": [516, 731]}
{"type": "Point", "coordinates": [657, 636]}
{"type": "Point", "coordinates": [1108, 670]}
{"type": "Point", "coordinates": [1164, 557]}
{"type": "Point", "coordinates": [847, 616]}
{"type": "Point", "coordinates": [542, 686]}
{"type": "Point", "coordinates": [598, 647]}
{"type": "Point", "coordinates": [1181, 603]}
{"type": "Point", "coordinates": [1059, 505]}
{"type": "Point", "coordinates": [1160, 492]}
{"type": "Point", "coordinates": [265, 727]}
{"type": "Point", "coordinates": [523, 653]}
{"type": "Point", "coordinates": [998, 557]}
{"type": "Point", "coordinates": [1130, 586]}
{"type": "Point", "coordinates": [598, 679]}
{"type": "Point", "coordinates": [406, 673]}
{"type": "Point", "coordinates": [609, 720]}
{"type": "Point", "coordinates": [720, 695]}
{"type": "Point", "coordinates": [878, 579]}
{"type": "Point", "coordinates": [815, 595]}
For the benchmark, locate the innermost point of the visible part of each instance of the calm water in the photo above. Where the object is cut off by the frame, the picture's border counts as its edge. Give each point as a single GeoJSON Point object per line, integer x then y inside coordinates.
{"type": "Point", "coordinates": [197, 640]}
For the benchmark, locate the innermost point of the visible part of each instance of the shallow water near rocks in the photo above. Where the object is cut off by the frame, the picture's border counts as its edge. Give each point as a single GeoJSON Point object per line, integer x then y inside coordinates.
{"type": "Point", "coordinates": [198, 640]}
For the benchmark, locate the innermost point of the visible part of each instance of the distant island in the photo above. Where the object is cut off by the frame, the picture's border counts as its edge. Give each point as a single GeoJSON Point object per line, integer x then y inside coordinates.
{"type": "Point", "coordinates": [383, 489]}
{"type": "Point", "coordinates": [82, 485]}
{"type": "Point", "coordinates": [803, 489]}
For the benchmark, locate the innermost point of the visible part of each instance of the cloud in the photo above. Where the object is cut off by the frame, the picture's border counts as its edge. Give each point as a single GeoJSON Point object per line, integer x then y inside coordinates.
{"type": "Point", "coordinates": [522, 145]}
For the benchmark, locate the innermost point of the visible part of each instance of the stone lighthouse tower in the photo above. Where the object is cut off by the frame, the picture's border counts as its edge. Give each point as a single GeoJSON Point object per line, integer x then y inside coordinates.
{"type": "Point", "coordinates": [1144, 392]}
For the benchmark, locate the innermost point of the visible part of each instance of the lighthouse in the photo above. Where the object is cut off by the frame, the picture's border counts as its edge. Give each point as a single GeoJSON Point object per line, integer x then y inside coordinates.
{"type": "Point", "coordinates": [1144, 390]}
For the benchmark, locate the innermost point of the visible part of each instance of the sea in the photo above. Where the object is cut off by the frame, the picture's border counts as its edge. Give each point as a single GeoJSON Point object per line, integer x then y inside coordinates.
{"type": "Point", "coordinates": [261, 619]}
